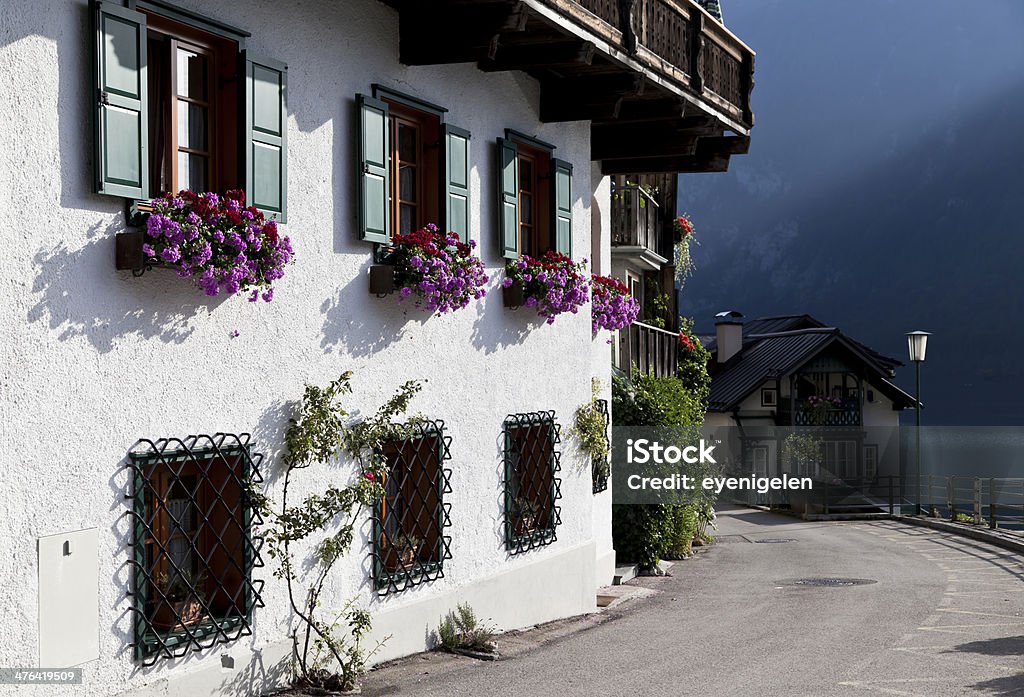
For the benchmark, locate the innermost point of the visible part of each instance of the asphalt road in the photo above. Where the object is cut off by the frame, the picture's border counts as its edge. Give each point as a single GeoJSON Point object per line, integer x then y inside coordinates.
{"type": "Point", "coordinates": [945, 616]}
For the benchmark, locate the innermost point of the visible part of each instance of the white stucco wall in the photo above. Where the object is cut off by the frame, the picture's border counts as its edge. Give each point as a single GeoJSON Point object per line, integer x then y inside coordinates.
{"type": "Point", "coordinates": [94, 359]}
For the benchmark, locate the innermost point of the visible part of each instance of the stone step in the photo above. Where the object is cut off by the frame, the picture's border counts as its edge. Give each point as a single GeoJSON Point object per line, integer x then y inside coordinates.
{"type": "Point", "coordinates": [624, 574]}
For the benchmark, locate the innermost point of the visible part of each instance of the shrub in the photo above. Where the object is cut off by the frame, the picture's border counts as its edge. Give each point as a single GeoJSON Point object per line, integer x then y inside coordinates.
{"type": "Point", "coordinates": [648, 533]}
{"type": "Point", "coordinates": [461, 630]}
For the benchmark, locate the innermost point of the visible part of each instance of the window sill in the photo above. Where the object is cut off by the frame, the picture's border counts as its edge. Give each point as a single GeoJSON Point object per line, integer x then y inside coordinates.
{"type": "Point", "coordinates": [392, 581]}
{"type": "Point", "coordinates": [153, 642]}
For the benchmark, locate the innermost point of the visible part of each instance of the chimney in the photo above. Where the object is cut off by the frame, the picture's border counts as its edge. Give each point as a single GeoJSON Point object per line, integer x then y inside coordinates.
{"type": "Point", "coordinates": [728, 334]}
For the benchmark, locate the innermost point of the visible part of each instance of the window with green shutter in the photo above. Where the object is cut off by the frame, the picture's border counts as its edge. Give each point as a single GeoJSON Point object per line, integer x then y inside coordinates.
{"type": "Point", "coordinates": [534, 198]}
{"type": "Point", "coordinates": [413, 168]}
{"type": "Point", "coordinates": [181, 105]}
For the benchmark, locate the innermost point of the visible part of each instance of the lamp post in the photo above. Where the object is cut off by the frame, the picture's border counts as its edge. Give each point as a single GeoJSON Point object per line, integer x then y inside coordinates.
{"type": "Point", "coordinates": [917, 344]}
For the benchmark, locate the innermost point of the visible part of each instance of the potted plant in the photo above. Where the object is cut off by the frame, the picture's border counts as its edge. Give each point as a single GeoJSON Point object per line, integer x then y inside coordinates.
{"type": "Point", "coordinates": [683, 229]}
{"type": "Point", "coordinates": [405, 549]}
{"type": "Point", "coordinates": [611, 305]}
{"type": "Point", "coordinates": [818, 407]}
{"type": "Point", "coordinates": [437, 269]}
{"type": "Point", "coordinates": [525, 514]}
{"type": "Point", "coordinates": [552, 284]}
{"type": "Point", "coordinates": [183, 607]}
{"type": "Point", "coordinates": [217, 241]}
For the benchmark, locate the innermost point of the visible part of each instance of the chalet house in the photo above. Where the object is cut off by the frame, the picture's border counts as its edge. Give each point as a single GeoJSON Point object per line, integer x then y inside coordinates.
{"type": "Point", "coordinates": [136, 409]}
{"type": "Point", "coordinates": [776, 376]}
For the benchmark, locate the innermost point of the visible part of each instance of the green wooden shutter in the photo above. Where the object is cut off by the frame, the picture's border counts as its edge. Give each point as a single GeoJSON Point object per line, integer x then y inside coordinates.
{"type": "Point", "coordinates": [266, 135]}
{"type": "Point", "coordinates": [456, 179]}
{"type": "Point", "coordinates": [121, 159]}
{"type": "Point", "coordinates": [508, 198]}
{"type": "Point", "coordinates": [561, 197]}
{"type": "Point", "coordinates": [374, 175]}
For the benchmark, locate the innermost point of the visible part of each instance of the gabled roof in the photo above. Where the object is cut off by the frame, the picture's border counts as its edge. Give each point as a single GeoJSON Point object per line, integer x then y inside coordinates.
{"type": "Point", "coordinates": [774, 347]}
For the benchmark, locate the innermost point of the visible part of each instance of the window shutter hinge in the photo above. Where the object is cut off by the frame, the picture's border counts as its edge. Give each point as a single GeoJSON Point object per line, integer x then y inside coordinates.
{"type": "Point", "coordinates": [104, 98]}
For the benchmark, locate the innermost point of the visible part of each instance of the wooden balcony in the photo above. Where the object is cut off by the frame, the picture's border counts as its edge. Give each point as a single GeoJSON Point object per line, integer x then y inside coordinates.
{"type": "Point", "coordinates": [846, 415]}
{"type": "Point", "coordinates": [647, 349]}
{"type": "Point", "coordinates": [638, 229]}
{"type": "Point", "coordinates": [661, 81]}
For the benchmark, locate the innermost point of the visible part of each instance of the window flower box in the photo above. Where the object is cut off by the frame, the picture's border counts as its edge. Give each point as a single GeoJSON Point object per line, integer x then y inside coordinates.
{"type": "Point", "coordinates": [612, 307]}
{"type": "Point", "coordinates": [552, 284]}
{"type": "Point", "coordinates": [512, 295]}
{"type": "Point", "coordinates": [382, 279]}
{"type": "Point", "coordinates": [437, 269]}
{"type": "Point", "coordinates": [218, 242]}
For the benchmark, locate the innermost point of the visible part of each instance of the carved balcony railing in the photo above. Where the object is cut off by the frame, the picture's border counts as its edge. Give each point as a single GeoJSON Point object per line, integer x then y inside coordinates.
{"type": "Point", "coordinates": [635, 218]}
{"type": "Point", "coordinates": [647, 349]}
{"type": "Point", "coordinates": [665, 87]}
{"type": "Point", "coordinates": [845, 415]}
{"type": "Point", "coordinates": [686, 43]}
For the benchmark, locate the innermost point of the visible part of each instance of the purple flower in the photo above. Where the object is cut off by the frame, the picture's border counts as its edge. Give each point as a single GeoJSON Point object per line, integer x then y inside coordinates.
{"type": "Point", "coordinates": [234, 334]}
{"type": "Point", "coordinates": [170, 254]}
{"type": "Point", "coordinates": [148, 250]}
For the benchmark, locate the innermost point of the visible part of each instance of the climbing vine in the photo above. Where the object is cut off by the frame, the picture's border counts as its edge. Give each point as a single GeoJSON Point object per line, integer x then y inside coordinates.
{"type": "Point", "coordinates": [328, 651]}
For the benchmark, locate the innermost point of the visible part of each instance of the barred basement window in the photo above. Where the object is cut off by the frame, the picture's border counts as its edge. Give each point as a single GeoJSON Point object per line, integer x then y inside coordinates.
{"type": "Point", "coordinates": [409, 544]}
{"type": "Point", "coordinates": [532, 484]}
{"type": "Point", "coordinates": [600, 468]}
{"type": "Point", "coordinates": [194, 550]}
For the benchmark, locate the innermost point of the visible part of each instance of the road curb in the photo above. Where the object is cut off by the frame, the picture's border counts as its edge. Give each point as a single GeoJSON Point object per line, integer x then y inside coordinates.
{"type": "Point", "coordinates": [982, 535]}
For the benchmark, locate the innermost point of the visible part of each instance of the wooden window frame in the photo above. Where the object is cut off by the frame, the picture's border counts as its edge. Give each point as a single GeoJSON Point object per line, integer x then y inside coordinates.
{"type": "Point", "coordinates": [428, 162]}
{"type": "Point", "coordinates": [224, 80]}
{"type": "Point", "coordinates": [871, 448]}
{"type": "Point", "coordinates": [535, 238]}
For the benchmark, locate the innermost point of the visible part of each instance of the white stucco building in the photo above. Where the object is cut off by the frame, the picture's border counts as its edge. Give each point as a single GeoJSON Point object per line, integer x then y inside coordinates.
{"type": "Point", "coordinates": [350, 122]}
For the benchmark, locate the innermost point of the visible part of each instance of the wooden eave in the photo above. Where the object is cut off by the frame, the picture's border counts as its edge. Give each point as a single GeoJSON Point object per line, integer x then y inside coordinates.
{"type": "Point", "coordinates": [648, 113]}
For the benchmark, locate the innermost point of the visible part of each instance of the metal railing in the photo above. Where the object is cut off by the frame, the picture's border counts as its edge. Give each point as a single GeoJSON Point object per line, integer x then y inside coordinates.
{"type": "Point", "coordinates": [647, 349]}
{"type": "Point", "coordinates": [997, 502]}
{"type": "Point", "coordinates": [635, 218]}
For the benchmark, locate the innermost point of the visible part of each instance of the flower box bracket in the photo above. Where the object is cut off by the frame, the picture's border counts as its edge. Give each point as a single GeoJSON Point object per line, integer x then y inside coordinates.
{"type": "Point", "coordinates": [128, 255]}
{"type": "Point", "coordinates": [513, 296]}
{"type": "Point", "coordinates": [382, 279]}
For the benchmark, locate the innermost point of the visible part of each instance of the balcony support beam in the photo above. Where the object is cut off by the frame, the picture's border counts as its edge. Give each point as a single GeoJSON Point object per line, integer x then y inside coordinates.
{"type": "Point", "coordinates": [428, 36]}
{"type": "Point", "coordinates": [553, 56]}
{"type": "Point", "coordinates": [654, 165]}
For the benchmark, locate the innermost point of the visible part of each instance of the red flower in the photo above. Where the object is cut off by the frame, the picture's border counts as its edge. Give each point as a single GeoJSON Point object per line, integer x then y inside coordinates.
{"type": "Point", "coordinates": [370, 476]}
{"type": "Point", "coordinates": [686, 342]}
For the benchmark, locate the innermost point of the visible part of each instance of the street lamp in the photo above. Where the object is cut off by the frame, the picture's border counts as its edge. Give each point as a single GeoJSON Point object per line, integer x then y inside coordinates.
{"type": "Point", "coordinates": [917, 344]}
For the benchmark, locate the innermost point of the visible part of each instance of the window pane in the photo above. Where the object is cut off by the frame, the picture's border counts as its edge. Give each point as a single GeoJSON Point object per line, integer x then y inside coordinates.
{"type": "Point", "coordinates": [192, 171]}
{"type": "Point", "coordinates": [191, 74]}
{"type": "Point", "coordinates": [407, 143]}
{"type": "Point", "coordinates": [407, 218]}
{"type": "Point", "coordinates": [407, 183]}
{"type": "Point", "coordinates": [192, 126]}
{"type": "Point", "coordinates": [526, 175]}
{"type": "Point", "coordinates": [526, 209]}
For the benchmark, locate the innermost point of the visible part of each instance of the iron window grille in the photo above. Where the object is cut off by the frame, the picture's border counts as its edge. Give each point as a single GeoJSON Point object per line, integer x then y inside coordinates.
{"type": "Point", "coordinates": [532, 485]}
{"type": "Point", "coordinates": [194, 549]}
{"type": "Point", "coordinates": [600, 468]}
{"type": "Point", "coordinates": [409, 544]}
